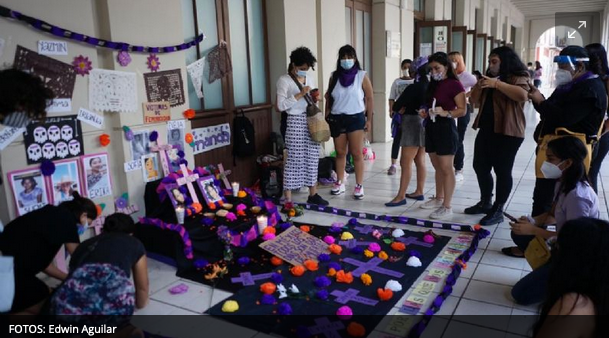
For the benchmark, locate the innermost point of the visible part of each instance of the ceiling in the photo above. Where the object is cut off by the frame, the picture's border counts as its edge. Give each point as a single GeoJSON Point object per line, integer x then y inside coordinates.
{"type": "Point", "coordinates": [531, 8]}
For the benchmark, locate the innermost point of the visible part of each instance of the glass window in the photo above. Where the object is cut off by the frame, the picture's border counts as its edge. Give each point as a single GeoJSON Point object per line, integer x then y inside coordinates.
{"type": "Point", "coordinates": [239, 52]}
{"type": "Point", "coordinates": [457, 43]}
{"type": "Point", "coordinates": [480, 57]}
{"type": "Point", "coordinates": [257, 51]}
{"type": "Point", "coordinates": [469, 63]}
{"type": "Point", "coordinates": [419, 5]}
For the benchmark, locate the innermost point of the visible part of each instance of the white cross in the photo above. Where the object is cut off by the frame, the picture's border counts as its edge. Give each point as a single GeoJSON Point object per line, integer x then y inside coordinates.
{"type": "Point", "coordinates": [188, 180]}
{"type": "Point", "coordinates": [224, 175]}
{"type": "Point", "coordinates": [162, 150]}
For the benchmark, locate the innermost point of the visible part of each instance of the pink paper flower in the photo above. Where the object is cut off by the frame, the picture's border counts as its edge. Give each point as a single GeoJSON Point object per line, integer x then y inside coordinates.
{"type": "Point", "coordinates": [428, 239]}
{"type": "Point", "coordinates": [123, 58]}
{"type": "Point", "coordinates": [231, 217]}
{"type": "Point", "coordinates": [82, 65]}
{"type": "Point", "coordinates": [374, 247]}
{"type": "Point", "coordinates": [344, 313]}
{"type": "Point", "coordinates": [241, 207]}
{"type": "Point", "coordinates": [153, 62]}
{"type": "Point", "coordinates": [329, 240]}
{"type": "Point", "coordinates": [376, 234]}
{"type": "Point", "coordinates": [268, 237]}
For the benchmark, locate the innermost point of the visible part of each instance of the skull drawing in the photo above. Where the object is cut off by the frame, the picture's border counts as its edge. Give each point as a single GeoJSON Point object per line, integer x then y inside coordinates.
{"type": "Point", "coordinates": [61, 149]}
{"type": "Point", "coordinates": [48, 151]}
{"type": "Point", "coordinates": [74, 148]}
{"type": "Point", "coordinates": [54, 133]}
{"type": "Point", "coordinates": [66, 133]}
{"type": "Point", "coordinates": [40, 135]}
{"type": "Point", "coordinates": [34, 151]}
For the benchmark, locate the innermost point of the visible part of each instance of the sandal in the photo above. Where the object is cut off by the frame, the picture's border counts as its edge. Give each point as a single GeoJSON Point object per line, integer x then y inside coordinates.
{"type": "Point", "coordinates": [510, 252]}
{"type": "Point", "coordinates": [416, 197]}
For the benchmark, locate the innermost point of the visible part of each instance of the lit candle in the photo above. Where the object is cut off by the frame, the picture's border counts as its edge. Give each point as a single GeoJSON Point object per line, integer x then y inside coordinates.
{"type": "Point", "coordinates": [262, 223]}
{"type": "Point", "coordinates": [235, 189]}
{"type": "Point", "coordinates": [180, 215]}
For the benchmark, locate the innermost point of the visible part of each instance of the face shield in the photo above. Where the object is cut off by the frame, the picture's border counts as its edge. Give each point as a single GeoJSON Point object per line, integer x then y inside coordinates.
{"type": "Point", "coordinates": [567, 67]}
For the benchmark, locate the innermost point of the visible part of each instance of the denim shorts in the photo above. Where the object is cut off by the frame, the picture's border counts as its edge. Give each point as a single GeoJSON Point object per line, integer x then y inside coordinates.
{"type": "Point", "coordinates": [345, 124]}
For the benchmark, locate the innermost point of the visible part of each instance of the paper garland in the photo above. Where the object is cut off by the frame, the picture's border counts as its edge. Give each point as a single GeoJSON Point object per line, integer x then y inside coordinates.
{"type": "Point", "coordinates": [195, 70]}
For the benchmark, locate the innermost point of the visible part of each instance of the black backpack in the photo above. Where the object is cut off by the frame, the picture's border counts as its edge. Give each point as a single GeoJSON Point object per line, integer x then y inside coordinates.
{"type": "Point", "coordinates": [271, 182]}
{"type": "Point", "coordinates": [326, 165]}
{"type": "Point", "coordinates": [244, 140]}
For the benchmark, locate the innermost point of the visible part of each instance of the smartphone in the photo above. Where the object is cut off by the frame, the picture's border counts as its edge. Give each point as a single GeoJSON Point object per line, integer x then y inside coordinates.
{"type": "Point", "coordinates": [510, 217]}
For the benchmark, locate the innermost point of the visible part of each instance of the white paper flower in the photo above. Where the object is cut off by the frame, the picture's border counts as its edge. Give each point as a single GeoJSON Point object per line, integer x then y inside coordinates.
{"type": "Point", "coordinates": [397, 233]}
{"type": "Point", "coordinates": [282, 291]}
{"type": "Point", "coordinates": [415, 262]}
{"type": "Point", "coordinates": [294, 289]}
{"type": "Point", "coordinates": [393, 285]}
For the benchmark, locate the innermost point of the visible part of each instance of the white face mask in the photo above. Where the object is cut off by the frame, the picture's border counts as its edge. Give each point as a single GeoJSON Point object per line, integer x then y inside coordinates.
{"type": "Point", "coordinates": [562, 76]}
{"type": "Point", "coordinates": [551, 170]}
{"type": "Point", "coordinates": [437, 76]}
{"type": "Point", "coordinates": [405, 73]}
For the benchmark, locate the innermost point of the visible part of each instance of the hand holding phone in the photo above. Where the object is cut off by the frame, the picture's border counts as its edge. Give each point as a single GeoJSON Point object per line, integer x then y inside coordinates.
{"type": "Point", "coordinates": [510, 217]}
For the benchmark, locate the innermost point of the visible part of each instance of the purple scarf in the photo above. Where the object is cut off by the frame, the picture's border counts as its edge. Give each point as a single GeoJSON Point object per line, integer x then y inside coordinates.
{"type": "Point", "coordinates": [563, 89]}
{"type": "Point", "coordinates": [346, 77]}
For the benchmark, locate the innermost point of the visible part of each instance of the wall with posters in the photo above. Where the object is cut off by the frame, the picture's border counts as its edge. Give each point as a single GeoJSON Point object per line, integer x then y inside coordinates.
{"type": "Point", "coordinates": [101, 175]}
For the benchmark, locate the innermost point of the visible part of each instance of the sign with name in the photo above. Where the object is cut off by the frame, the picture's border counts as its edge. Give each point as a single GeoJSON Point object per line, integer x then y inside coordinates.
{"type": "Point", "coordinates": [8, 135]}
{"type": "Point", "coordinates": [295, 246]}
{"type": "Point", "coordinates": [60, 106]}
{"type": "Point", "coordinates": [176, 124]}
{"type": "Point", "coordinates": [52, 47]}
{"type": "Point", "coordinates": [98, 182]}
{"type": "Point", "coordinates": [155, 112]}
{"type": "Point", "coordinates": [91, 118]}
{"type": "Point", "coordinates": [133, 166]}
{"type": "Point", "coordinates": [209, 138]}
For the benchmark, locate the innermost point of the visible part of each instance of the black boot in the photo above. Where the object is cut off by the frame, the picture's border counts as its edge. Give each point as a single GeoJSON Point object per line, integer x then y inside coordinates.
{"type": "Point", "coordinates": [495, 216]}
{"type": "Point", "coordinates": [482, 207]}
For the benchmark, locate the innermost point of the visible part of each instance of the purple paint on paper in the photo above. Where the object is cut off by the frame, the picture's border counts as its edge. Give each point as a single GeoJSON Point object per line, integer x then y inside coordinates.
{"type": "Point", "coordinates": [344, 297]}
{"type": "Point", "coordinates": [413, 241]}
{"type": "Point", "coordinates": [371, 265]}
{"type": "Point", "coordinates": [247, 279]}
{"type": "Point", "coordinates": [326, 328]}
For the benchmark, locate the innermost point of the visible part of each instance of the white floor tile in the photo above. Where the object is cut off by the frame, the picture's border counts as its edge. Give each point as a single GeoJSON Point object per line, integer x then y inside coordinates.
{"type": "Point", "coordinates": [196, 299]}
{"type": "Point", "coordinates": [522, 322]}
{"type": "Point", "coordinates": [497, 275]}
{"type": "Point", "coordinates": [496, 244]}
{"type": "Point", "coordinates": [499, 259]}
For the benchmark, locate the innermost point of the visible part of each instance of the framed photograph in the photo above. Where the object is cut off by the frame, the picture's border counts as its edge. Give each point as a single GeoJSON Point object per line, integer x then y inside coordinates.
{"type": "Point", "coordinates": [140, 145]}
{"type": "Point", "coordinates": [209, 189]}
{"type": "Point", "coordinates": [29, 190]}
{"type": "Point", "coordinates": [150, 168]}
{"type": "Point", "coordinates": [98, 182]}
{"type": "Point", "coordinates": [65, 180]}
{"type": "Point", "coordinates": [177, 194]}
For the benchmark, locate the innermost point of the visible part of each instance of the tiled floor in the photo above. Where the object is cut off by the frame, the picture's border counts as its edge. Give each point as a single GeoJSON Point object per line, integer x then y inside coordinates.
{"type": "Point", "coordinates": [483, 289]}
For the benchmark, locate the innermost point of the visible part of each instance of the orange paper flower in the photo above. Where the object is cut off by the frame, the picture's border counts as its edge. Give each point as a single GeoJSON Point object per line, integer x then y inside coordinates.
{"type": "Point", "coordinates": [269, 230]}
{"type": "Point", "coordinates": [383, 255]}
{"type": "Point", "coordinates": [188, 138]}
{"type": "Point", "coordinates": [297, 270]}
{"type": "Point", "coordinates": [356, 330]}
{"type": "Point", "coordinates": [398, 246]}
{"type": "Point", "coordinates": [305, 228]}
{"type": "Point", "coordinates": [276, 261]}
{"type": "Point", "coordinates": [212, 206]}
{"type": "Point", "coordinates": [311, 265]}
{"type": "Point", "coordinates": [99, 209]}
{"type": "Point", "coordinates": [189, 114]}
{"type": "Point", "coordinates": [335, 249]}
{"type": "Point", "coordinates": [331, 272]}
{"type": "Point", "coordinates": [344, 277]}
{"type": "Point", "coordinates": [104, 140]}
{"type": "Point", "coordinates": [241, 194]}
{"type": "Point", "coordinates": [477, 227]}
{"type": "Point", "coordinates": [292, 213]}
{"type": "Point", "coordinates": [366, 279]}
{"type": "Point", "coordinates": [268, 288]}
{"type": "Point", "coordinates": [368, 253]}
{"type": "Point", "coordinates": [384, 294]}
{"type": "Point", "coordinates": [198, 207]}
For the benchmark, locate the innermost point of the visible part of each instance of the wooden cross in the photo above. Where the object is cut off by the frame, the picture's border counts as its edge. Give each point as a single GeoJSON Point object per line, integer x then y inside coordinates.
{"type": "Point", "coordinates": [224, 175]}
{"type": "Point", "coordinates": [188, 180]}
{"type": "Point", "coordinates": [162, 149]}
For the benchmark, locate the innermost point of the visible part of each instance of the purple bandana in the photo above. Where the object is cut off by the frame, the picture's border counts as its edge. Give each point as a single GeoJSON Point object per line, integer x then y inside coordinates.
{"type": "Point", "coordinates": [346, 77]}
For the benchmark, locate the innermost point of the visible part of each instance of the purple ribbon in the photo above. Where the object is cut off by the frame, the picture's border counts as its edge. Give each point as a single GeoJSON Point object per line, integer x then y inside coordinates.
{"type": "Point", "coordinates": [188, 250]}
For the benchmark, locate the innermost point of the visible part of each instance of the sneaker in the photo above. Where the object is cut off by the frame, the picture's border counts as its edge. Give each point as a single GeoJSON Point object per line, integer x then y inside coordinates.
{"type": "Point", "coordinates": [392, 170]}
{"type": "Point", "coordinates": [433, 203]}
{"type": "Point", "coordinates": [495, 216]}
{"type": "Point", "coordinates": [358, 192]}
{"type": "Point", "coordinates": [338, 188]}
{"type": "Point", "coordinates": [478, 209]}
{"type": "Point", "coordinates": [317, 200]}
{"type": "Point", "coordinates": [441, 213]}
{"type": "Point", "coordinates": [459, 175]}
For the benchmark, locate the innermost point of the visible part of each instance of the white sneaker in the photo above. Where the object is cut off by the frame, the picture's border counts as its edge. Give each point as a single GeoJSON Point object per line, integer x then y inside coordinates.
{"type": "Point", "coordinates": [459, 175]}
{"type": "Point", "coordinates": [338, 188]}
{"type": "Point", "coordinates": [358, 192]}
{"type": "Point", "coordinates": [441, 213]}
{"type": "Point", "coordinates": [433, 203]}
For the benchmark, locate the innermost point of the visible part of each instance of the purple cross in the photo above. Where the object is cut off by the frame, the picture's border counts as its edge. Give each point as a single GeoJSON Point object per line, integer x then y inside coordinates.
{"type": "Point", "coordinates": [248, 279]}
{"type": "Point", "coordinates": [344, 297]}
{"type": "Point", "coordinates": [414, 241]}
{"type": "Point", "coordinates": [368, 229]}
{"type": "Point", "coordinates": [329, 330]}
{"type": "Point", "coordinates": [352, 243]}
{"type": "Point", "coordinates": [371, 265]}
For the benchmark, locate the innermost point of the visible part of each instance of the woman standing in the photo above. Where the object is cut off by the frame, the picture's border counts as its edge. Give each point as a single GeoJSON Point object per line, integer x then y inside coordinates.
{"type": "Point", "coordinates": [303, 153]}
{"type": "Point", "coordinates": [446, 101]}
{"type": "Point", "coordinates": [349, 109]}
{"type": "Point", "coordinates": [397, 88]}
{"type": "Point", "coordinates": [501, 95]}
{"type": "Point", "coordinates": [413, 133]}
{"type": "Point", "coordinates": [468, 81]}
{"type": "Point", "coordinates": [538, 75]}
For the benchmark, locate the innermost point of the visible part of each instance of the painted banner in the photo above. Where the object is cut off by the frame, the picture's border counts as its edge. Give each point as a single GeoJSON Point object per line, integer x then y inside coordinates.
{"type": "Point", "coordinates": [209, 138]}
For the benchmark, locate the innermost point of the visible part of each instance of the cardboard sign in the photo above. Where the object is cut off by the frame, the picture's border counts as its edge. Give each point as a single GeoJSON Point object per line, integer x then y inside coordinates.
{"type": "Point", "coordinates": [155, 112]}
{"type": "Point", "coordinates": [209, 138]}
{"type": "Point", "coordinates": [91, 118]}
{"type": "Point", "coordinates": [52, 47]}
{"type": "Point", "coordinates": [295, 246]}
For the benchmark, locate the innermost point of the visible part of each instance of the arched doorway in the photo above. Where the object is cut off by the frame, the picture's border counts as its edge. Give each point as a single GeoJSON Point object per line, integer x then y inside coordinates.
{"type": "Point", "coordinates": [549, 44]}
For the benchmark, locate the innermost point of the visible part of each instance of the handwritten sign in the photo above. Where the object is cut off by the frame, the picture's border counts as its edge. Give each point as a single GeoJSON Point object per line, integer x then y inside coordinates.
{"type": "Point", "coordinates": [176, 124]}
{"type": "Point", "coordinates": [91, 118]}
{"type": "Point", "coordinates": [155, 112]}
{"type": "Point", "coordinates": [8, 135]}
{"type": "Point", "coordinates": [52, 47]}
{"type": "Point", "coordinates": [60, 106]}
{"type": "Point", "coordinates": [133, 166]}
{"type": "Point", "coordinates": [210, 138]}
{"type": "Point", "coordinates": [295, 246]}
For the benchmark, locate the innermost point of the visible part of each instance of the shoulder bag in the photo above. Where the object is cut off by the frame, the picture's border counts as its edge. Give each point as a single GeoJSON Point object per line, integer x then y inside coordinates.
{"type": "Point", "coordinates": [318, 127]}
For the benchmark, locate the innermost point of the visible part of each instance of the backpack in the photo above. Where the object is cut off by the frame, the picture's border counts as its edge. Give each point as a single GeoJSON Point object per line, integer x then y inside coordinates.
{"type": "Point", "coordinates": [244, 140]}
{"type": "Point", "coordinates": [271, 182]}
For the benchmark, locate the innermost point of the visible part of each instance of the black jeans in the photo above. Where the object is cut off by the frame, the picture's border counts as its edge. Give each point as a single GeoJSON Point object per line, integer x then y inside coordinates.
{"type": "Point", "coordinates": [600, 151]}
{"type": "Point", "coordinates": [395, 147]}
{"type": "Point", "coordinates": [462, 123]}
{"type": "Point", "coordinates": [543, 196]}
{"type": "Point", "coordinates": [532, 288]}
{"type": "Point", "coordinates": [495, 152]}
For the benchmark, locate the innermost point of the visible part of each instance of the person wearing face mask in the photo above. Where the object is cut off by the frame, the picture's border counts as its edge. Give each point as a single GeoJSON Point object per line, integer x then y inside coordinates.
{"type": "Point", "coordinates": [349, 109]}
{"type": "Point", "coordinates": [578, 105]}
{"type": "Point", "coordinates": [468, 81]}
{"type": "Point", "coordinates": [501, 96]}
{"type": "Point", "coordinates": [397, 88]}
{"type": "Point", "coordinates": [302, 162]}
{"type": "Point", "coordinates": [445, 101]}
{"type": "Point", "coordinates": [573, 198]}
{"type": "Point", "coordinates": [34, 239]}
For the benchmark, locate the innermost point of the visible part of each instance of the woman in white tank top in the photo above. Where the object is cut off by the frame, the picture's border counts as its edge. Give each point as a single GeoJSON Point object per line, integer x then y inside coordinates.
{"type": "Point", "coordinates": [349, 108]}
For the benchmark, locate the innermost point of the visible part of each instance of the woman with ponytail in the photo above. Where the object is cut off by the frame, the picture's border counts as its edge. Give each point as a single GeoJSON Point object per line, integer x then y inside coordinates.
{"type": "Point", "coordinates": [34, 239]}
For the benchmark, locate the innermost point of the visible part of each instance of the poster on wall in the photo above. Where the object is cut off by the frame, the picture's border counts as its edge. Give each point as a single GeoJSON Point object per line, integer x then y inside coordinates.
{"type": "Point", "coordinates": [112, 91]}
{"type": "Point", "coordinates": [65, 180]}
{"type": "Point", "coordinates": [175, 137]}
{"type": "Point", "coordinates": [29, 190]}
{"type": "Point", "coordinates": [165, 86]}
{"type": "Point", "coordinates": [140, 145]}
{"type": "Point", "coordinates": [56, 139]}
{"type": "Point", "coordinates": [150, 168]}
{"type": "Point", "coordinates": [440, 34]}
{"type": "Point", "coordinates": [97, 175]}
{"type": "Point", "coordinates": [155, 112]}
{"type": "Point", "coordinates": [58, 76]}
{"type": "Point", "coordinates": [209, 138]}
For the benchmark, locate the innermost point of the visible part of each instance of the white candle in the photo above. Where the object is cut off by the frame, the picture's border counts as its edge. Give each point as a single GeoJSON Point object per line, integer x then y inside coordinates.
{"type": "Point", "coordinates": [235, 189]}
{"type": "Point", "coordinates": [180, 215]}
{"type": "Point", "coordinates": [262, 223]}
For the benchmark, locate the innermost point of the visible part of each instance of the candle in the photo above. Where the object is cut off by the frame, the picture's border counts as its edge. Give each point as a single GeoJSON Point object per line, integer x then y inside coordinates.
{"type": "Point", "coordinates": [180, 215]}
{"type": "Point", "coordinates": [235, 189]}
{"type": "Point", "coordinates": [262, 223]}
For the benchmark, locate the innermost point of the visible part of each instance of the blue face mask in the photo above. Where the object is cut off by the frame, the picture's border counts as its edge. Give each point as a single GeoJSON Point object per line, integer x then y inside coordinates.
{"type": "Point", "coordinates": [301, 73]}
{"type": "Point", "coordinates": [347, 63]}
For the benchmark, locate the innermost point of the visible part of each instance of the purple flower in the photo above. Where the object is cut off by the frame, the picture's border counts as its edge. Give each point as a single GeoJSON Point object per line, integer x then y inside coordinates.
{"type": "Point", "coordinates": [336, 227]}
{"type": "Point", "coordinates": [284, 226]}
{"type": "Point", "coordinates": [243, 261]}
{"type": "Point", "coordinates": [284, 309]}
{"type": "Point", "coordinates": [357, 250]}
{"type": "Point", "coordinates": [267, 300]}
{"type": "Point", "coordinates": [47, 167]}
{"type": "Point", "coordinates": [323, 258]}
{"type": "Point", "coordinates": [231, 217]}
{"type": "Point", "coordinates": [322, 294]}
{"type": "Point", "coordinates": [123, 58]}
{"type": "Point", "coordinates": [322, 282]}
{"type": "Point", "coordinates": [277, 278]}
{"type": "Point", "coordinates": [121, 203]}
{"type": "Point", "coordinates": [154, 136]}
{"type": "Point", "coordinates": [353, 221]}
{"type": "Point", "coordinates": [181, 154]}
{"type": "Point", "coordinates": [335, 266]}
{"type": "Point", "coordinates": [200, 263]}
{"type": "Point", "coordinates": [207, 221]}
{"type": "Point", "coordinates": [414, 253]}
